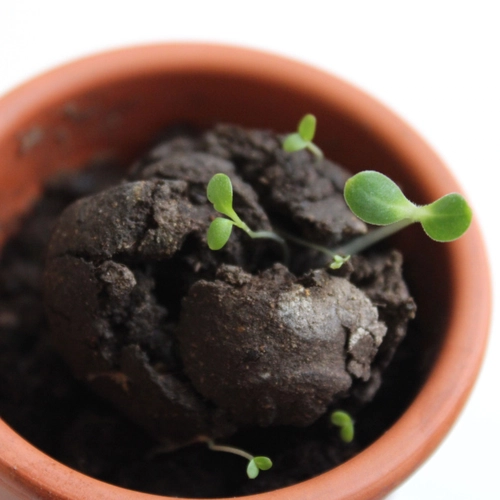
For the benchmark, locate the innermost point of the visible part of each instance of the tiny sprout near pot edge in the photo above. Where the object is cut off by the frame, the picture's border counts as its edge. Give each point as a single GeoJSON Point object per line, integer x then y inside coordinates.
{"type": "Point", "coordinates": [303, 138]}
{"type": "Point", "coordinates": [345, 423]}
{"type": "Point", "coordinates": [255, 464]}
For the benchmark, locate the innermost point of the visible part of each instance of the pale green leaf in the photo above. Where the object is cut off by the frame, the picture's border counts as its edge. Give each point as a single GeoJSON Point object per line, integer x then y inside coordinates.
{"type": "Point", "coordinates": [307, 128]}
{"type": "Point", "coordinates": [263, 463]}
{"type": "Point", "coordinates": [347, 433]}
{"type": "Point", "coordinates": [447, 218]}
{"type": "Point", "coordinates": [220, 193]}
{"type": "Point", "coordinates": [376, 199]}
{"type": "Point", "coordinates": [338, 261]}
{"type": "Point", "coordinates": [343, 420]}
{"type": "Point", "coordinates": [294, 142]}
{"type": "Point", "coordinates": [252, 469]}
{"type": "Point", "coordinates": [218, 233]}
{"type": "Point", "coordinates": [340, 418]}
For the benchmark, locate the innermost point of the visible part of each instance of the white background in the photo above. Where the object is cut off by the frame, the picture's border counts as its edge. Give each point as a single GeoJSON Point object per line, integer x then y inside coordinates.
{"type": "Point", "coordinates": [436, 63]}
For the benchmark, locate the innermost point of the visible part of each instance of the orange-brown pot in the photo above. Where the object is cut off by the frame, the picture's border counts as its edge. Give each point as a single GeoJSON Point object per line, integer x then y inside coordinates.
{"type": "Point", "coordinates": [114, 103]}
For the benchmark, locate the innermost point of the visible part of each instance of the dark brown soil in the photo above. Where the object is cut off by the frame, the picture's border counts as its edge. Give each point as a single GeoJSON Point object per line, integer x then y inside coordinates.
{"type": "Point", "coordinates": [170, 343]}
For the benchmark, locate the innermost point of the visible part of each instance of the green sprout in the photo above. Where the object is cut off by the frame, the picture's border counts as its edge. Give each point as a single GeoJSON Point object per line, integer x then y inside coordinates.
{"type": "Point", "coordinates": [338, 260]}
{"type": "Point", "coordinates": [302, 139]}
{"type": "Point", "coordinates": [344, 421]}
{"type": "Point", "coordinates": [220, 194]}
{"type": "Point", "coordinates": [376, 199]}
{"type": "Point", "coordinates": [255, 464]}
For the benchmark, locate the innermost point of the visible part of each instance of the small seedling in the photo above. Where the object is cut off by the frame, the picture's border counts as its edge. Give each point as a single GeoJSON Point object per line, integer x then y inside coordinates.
{"type": "Point", "coordinates": [220, 194]}
{"type": "Point", "coordinates": [255, 464]}
{"type": "Point", "coordinates": [344, 421]}
{"type": "Point", "coordinates": [338, 261]}
{"type": "Point", "coordinates": [302, 139]}
{"type": "Point", "coordinates": [376, 199]}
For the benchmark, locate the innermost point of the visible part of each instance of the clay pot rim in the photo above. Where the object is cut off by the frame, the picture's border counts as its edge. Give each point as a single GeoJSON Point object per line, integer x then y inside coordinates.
{"type": "Point", "coordinates": [390, 459]}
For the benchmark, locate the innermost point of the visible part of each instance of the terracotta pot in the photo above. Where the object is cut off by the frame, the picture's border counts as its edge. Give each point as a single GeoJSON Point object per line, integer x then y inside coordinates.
{"type": "Point", "coordinates": [112, 104]}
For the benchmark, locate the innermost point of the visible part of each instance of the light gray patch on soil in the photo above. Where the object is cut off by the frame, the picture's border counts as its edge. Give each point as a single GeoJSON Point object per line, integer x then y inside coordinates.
{"type": "Point", "coordinates": [271, 351]}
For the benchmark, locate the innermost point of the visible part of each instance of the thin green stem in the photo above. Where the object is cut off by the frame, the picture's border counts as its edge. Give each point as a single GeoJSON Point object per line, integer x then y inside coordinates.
{"type": "Point", "coordinates": [236, 219]}
{"type": "Point", "coordinates": [266, 234]}
{"type": "Point", "coordinates": [308, 244]}
{"type": "Point", "coordinates": [272, 236]}
{"type": "Point", "coordinates": [229, 449]}
{"type": "Point", "coordinates": [314, 150]}
{"type": "Point", "coordinates": [356, 245]}
{"type": "Point", "coordinates": [367, 240]}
